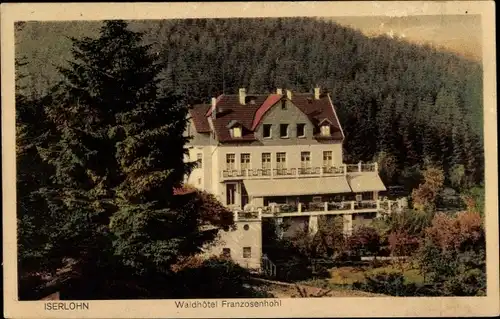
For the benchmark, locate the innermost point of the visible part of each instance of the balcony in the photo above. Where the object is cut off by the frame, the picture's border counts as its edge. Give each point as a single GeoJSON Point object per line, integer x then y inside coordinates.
{"type": "Point", "coordinates": [327, 208]}
{"type": "Point", "coordinates": [240, 215]}
{"type": "Point", "coordinates": [296, 172]}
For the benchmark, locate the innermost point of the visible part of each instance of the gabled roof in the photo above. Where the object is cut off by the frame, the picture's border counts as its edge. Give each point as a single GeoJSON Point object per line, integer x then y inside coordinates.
{"type": "Point", "coordinates": [325, 120]}
{"type": "Point", "coordinates": [268, 103]}
{"type": "Point", "coordinates": [249, 116]}
{"type": "Point", "coordinates": [232, 124]}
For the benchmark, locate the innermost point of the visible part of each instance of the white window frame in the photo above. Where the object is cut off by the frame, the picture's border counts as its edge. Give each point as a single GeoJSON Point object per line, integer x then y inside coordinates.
{"type": "Point", "coordinates": [264, 131]}
{"type": "Point", "coordinates": [237, 132]}
{"type": "Point", "coordinates": [325, 130]}
{"type": "Point", "coordinates": [303, 130]}
{"type": "Point", "coordinates": [287, 130]}
{"type": "Point", "coordinates": [249, 250]}
{"type": "Point", "coordinates": [268, 163]}
{"type": "Point", "coordinates": [248, 163]}
{"type": "Point", "coordinates": [305, 163]}
{"type": "Point", "coordinates": [233, 163]}
{"type": "Point", "coordinates": [327, 158]}
{"type": "Point", "coordinates": [281, 160]}
{"type": "Point", "coordinates": [199, 160]}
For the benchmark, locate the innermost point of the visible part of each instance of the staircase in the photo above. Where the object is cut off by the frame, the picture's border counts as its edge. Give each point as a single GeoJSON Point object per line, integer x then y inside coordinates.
{"type": "Point", "coordinates": [268, 267]}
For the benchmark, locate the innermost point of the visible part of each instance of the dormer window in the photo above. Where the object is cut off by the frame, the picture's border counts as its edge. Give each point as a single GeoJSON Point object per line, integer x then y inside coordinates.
{"type": "Point", "coordinates": [325, 130]}
{"type": "Point", "coordinates": [325, 127]}
{"type": "Point", "coordinates": [235, 129]}
{"type": "Point", "coordinates": [236, 132]}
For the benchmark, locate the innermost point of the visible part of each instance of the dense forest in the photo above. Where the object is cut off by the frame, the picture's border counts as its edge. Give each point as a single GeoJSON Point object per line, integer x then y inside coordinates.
{"type": "Point", "coordinates": [398, 102]}
{"type": "Point", "coordinates": [98, 191]}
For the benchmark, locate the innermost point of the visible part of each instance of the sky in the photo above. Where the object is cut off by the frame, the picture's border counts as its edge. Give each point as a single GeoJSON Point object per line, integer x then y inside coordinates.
{"type": "Point", "coordinates": [458, 33]}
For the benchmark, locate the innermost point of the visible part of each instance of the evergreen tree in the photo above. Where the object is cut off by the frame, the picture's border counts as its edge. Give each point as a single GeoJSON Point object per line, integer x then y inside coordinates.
{"type": "Point", "coordinates": [118, 156]}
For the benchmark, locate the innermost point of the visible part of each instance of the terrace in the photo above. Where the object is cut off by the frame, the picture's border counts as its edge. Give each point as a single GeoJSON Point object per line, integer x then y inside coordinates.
{"type": "Point", "coordinates": [321, 208]}
{"type": "Point", "coordinates": [296, 172]}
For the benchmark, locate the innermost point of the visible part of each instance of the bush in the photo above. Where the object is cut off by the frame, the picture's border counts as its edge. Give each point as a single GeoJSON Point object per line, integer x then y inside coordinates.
{"type": "Point", "coordinates": [387, 282]}
{"type": "Point", "coordinates": [214, 278]}
{"type": "Point", "coordinates": [293, 271]}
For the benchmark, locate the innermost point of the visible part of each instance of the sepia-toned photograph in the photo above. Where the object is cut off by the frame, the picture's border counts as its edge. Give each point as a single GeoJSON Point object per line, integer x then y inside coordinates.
{"type": "Point", "coordinates": [248, 162]}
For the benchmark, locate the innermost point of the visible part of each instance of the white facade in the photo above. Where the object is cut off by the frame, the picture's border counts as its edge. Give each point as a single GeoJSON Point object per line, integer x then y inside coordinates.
{"type": "Point", "coordinates": [243, 244]}
{"type": "Point", "coordinates": [267, 176]}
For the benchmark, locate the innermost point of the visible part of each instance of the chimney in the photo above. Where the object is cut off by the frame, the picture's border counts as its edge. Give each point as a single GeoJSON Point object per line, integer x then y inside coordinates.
{"type": "Point", "coordinates": [316, 93]}
{"type": "Point", "coordinates": [214, 108]}
{"type": "Point", "coordinates": [242, 96]}
{"type": "Point", "coordinates": [279, 91]}
{"type": "Point", "coordinates": [289, 94]}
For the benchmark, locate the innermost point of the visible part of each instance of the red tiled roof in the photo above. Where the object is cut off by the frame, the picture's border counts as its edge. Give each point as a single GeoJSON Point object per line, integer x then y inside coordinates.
{"type": "Point", "coordinates": [209, 112]}
{"type": "Point", "coordinates": [250, 115]}
{"type": "Point", "coordinates": [183, 190]}
{"type": "Point", "coordinates": [268, 103]}
{"type": "Point", "coordinates": [199, 119]}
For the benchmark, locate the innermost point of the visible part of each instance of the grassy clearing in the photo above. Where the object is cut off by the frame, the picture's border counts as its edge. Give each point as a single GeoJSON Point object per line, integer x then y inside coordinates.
{"type": "Point", "coordinates": [342, 278]}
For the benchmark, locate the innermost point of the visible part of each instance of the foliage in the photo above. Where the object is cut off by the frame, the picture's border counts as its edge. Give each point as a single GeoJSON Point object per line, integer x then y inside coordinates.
{"type": "Point", "coordinates": [453, 254]}
{"type": "Point", "coordinates": [387, 166]}
{"type": "Point", "coordinates": [426, 195]}
{"type": "Point", "coordinates": [457, 176]}
{"type": "Point", "coordinates": [214, 278]}
{"type": "Point", "coordinates": [329, 240]}
{"type": "Point", "coordinates": [372, 81]}
{"type": "Point", "coordinates": [475, 200]}
{"type": "Point", "coordinates": [364, 239]}
{"type": "Point", "coordinates": [388, 282]}
{"type": "Point", "coordinates": [114, 156]}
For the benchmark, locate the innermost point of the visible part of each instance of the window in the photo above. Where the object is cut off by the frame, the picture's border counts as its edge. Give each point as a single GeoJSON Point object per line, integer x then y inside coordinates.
{"type": "Point", "coordinates": [305, 160]}
{"type": "Point", "coordinates": [325, 130]}
{"type": "Point", "coordinates": [301, 130]}
{"type": "Point", "coordinates": [230, 194]}
{"type": "Point", "coordinates": [245, 161]}
{"type": "Point", "coordinates": [199, 160]}
{"type": "Point", "coordinates": [283, 130]}
{"type": "Point", "coordinates": [281, 160]}
{"type": "Point", "coordinates": [246, 227]}
{"type": "Point", "coordinates": [266, 164]}
{"type": "Point", "coordinates": [230, 160]}
{"type": "Point", "coordinates": [247, 252]}
{"type": "Point", "coordinates": [226, 252]}
{"type": "Point", "coordinates": [188, 129]}
{"type": "Point", "coordinates": [199, 181]}
{"type": "Point", "coordinates": [236, 131]}
{"type": "Point", "coordinates": [283, 104]}
{"type": "Point", "coordinates": [327, 159]}
{"type": "Point", "coordinates": [267, 131]}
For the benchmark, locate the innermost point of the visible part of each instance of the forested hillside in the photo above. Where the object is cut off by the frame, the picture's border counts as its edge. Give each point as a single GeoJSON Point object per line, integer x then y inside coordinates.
{"type": "Point", "coordinates": [396, 100]}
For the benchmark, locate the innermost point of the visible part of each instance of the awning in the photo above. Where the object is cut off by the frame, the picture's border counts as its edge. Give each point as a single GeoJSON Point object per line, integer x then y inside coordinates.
{"type": "Point", "coordinates": [297, 186]}
{"type": "Point", "coordinates": [365, 182]}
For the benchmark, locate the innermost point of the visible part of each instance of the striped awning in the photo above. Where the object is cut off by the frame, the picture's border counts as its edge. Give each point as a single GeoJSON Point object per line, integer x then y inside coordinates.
{"type": "Point", "coordinates": [297, 186]}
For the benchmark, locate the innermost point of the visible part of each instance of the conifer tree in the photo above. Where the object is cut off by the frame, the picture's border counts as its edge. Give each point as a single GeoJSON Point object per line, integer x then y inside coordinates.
{"type": "Point", "coordinates": [118, 157]}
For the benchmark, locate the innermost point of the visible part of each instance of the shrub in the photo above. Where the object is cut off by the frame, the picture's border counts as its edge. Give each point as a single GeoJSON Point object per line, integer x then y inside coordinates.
{"type": "Point", "coordinates": [388, 282]}
{"type": "Point", "coordinates": [453, 255]}
{"type": "Point", "coordinates": [214, 278]}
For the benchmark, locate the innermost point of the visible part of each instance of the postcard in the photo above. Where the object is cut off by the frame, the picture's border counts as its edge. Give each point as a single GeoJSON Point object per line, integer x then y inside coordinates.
{"type": "Point", "coordinates": [249, 159]}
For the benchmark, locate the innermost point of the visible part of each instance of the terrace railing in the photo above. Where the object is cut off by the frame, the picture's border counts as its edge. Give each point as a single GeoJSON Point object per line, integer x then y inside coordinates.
{"type": "Point", "coordinates": [297, 172]}
{"type": "Point", "coordinates": [379, 206]}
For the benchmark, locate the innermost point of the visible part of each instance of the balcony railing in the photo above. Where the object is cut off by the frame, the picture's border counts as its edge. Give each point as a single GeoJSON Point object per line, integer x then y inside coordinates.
{"type": "Point", "coordinates": [276, 173]}
{"type": "Point", "coordinates": [321, 206]}
{"type": "Point", "coordinates": [240, 215]}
